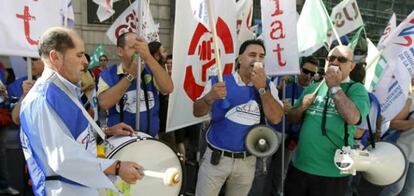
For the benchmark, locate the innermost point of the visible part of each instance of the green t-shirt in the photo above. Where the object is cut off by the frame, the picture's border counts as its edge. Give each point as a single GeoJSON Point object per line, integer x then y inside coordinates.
{"type": "Point", "coordinates": [315, 152]}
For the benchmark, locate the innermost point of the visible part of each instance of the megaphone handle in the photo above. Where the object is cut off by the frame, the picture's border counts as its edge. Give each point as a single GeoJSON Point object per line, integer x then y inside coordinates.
{"type": "Point", "coordinates": [264, 165]}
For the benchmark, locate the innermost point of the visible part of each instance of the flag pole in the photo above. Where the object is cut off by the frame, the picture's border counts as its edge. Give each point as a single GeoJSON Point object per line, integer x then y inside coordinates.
{"type": "Point", "coordinates": [138, 89]}
{"type": "Point", "coordinates": [215, 41]}
{"type": "Point", "coordinates": [29, 68]}
{"type": "Point", "coordinates": [331, 23]}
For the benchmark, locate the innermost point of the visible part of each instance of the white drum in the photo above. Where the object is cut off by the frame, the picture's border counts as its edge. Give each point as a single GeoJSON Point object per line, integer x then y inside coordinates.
{"type": "Point", "coordinates": [152, 155]}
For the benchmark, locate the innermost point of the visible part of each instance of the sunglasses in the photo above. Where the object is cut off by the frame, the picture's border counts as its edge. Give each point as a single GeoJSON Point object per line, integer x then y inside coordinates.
{"type": "Point", "coordinates": [308, 72]}
{"type": "Point", "coordinates": [341, 59]}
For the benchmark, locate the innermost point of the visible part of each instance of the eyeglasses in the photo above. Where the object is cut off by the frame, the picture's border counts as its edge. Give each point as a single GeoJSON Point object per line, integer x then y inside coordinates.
{"type": "Point", "coordinates": [341, 59]}
{"type": "Point", "coordinates": [308, 72]}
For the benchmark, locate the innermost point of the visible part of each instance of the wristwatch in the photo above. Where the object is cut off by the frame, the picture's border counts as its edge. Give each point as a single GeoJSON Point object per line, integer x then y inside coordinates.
{"type": "Point", "coordinates": [262, 91]}
{"type": "Point", "coordinates": [129, 77]}
{"type": "Point", "coordinates": [335, 89]}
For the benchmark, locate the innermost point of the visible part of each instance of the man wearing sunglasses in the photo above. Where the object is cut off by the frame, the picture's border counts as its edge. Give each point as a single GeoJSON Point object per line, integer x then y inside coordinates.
{"type": "Point", "coordinates": [328, 117]}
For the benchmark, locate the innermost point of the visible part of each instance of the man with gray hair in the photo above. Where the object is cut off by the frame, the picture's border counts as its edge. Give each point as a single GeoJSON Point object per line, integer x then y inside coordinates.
{"type": "Point", "coordinates": [57, 139]}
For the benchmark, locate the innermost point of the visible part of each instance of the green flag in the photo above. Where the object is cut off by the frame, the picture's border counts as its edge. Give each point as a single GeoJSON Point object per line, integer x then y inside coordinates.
{"type": "Point", "coordinates": [312, 27]}
{"type": "Point", "coordinates": [99, 51]}
{"type": "Point", "coordinates": [354, 42]}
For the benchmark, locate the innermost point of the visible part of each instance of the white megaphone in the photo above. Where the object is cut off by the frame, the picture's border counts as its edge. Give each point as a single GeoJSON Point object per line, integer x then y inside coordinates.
{"type": "Point", "coordinates": [382, 165]}
{"type": "Point", "coordinates": [262, 142]}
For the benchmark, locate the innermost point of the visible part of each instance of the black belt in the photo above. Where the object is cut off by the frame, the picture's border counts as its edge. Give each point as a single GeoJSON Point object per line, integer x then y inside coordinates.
{"type": "Point", "coordinates": [236, 155]}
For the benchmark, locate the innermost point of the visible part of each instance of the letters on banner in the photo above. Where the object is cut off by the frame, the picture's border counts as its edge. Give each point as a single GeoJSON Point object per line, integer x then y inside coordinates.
{"type": "Point", "coordinates": [23, 22]}
{"type": "Point", "coordinates": [279, 34]}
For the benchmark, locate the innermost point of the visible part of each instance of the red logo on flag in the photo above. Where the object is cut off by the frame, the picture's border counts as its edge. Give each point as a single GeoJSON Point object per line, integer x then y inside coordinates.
{"type": "Point", "coordinates": [191, 87]}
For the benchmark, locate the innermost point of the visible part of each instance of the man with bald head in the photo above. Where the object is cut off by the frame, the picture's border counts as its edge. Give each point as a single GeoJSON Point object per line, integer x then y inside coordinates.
{"type": "Point", "coordinates": [57, 139]}
{"type": "Point", "coordinates": [328, 117]}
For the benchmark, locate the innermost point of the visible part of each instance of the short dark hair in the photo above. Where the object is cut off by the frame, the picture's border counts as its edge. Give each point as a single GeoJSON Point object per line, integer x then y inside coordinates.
{"type": "Point", "coordinates": [88, 58]}
{"type": "Point", "coordinates": [154, 47]}
{"type": "Point", "coordinates": [121, 41]}
{"type": "Point", "coordinates": [169, 56]}
{"type": "Point", "coordinates": [56, 38]}
{"type": "Point", "coordinates": [251, 42]}
{"type": "Point", "coordinates": [106, 57]}
{"type": "Point", "coordinates": [358, 73]}
{"type": "Point", "coordinates": [309, 59]}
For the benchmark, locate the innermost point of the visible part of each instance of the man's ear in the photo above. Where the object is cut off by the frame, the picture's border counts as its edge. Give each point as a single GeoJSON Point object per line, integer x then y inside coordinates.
{"type": "Point", "coordinates": [119, 51]}
{"type": "Point", "coordinates": [56, 58]}
{"type": "Point", "coordinates": [353, 64]}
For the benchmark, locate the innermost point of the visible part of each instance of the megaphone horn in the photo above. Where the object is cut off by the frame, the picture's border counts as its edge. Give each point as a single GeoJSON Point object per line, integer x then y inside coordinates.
{"type": "Point", "coordinates": [262, 141]}
{"type": "Point", "coordinates": [383, 165]}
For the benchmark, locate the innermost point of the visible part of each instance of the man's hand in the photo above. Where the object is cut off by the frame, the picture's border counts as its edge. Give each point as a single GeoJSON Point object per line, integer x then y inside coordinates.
{"type": "Point", "coordinates": [286, 105]}
{"type": "Point", "coordinates": [120, 129]}
{"type": "Point", "coordinates": [333, 76]}
{"type": "Point", "coordinates": [27, 85]}
{"type": "Point", "coordinates": [308, 100]}
{"type": "Point", "coordinates": [141, 47]}
{"type": "Point", "coordinates": [218, 91]}
{"type": "Point", "coordinates": [258, 77]}
{"type": "Point", "coordinates": [130, 172]}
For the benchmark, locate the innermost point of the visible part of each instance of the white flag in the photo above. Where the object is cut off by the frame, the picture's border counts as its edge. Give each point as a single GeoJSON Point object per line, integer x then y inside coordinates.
{"type": "Point", "coordinates": [280, 37]}
{"type": "Point", "coordinates": [194, 58]}
{"type": "Point", "coordinates": [66, 11]}
{"type": "Point", "coordinates": [244, 20]}
{"type": "Point", "coordinates": [391, 26]}
{"type": "Point", "coordinates": [200, 12]}
{"type": "Point", "coordinates": [105, 9]}
{"type": "Point", "coordinates": [23, 22]}
{"type": "Point", "coordinates": [129, 20]}
{"type": "Point", "coordinates": [312, 27]}
{"type": "Point", "coordinates": [394, 70]}
{"type": "Point", "coordinates": [346, 17]}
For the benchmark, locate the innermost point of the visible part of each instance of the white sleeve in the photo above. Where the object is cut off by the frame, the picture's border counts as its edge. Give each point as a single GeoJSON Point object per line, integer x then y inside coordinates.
{"type": "Point", "coordinates": [65, 156]}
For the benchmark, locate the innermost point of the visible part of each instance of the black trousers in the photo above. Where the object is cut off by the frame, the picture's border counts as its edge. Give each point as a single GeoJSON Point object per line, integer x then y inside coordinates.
{"type": "Point", "coordinates": [299, 183]}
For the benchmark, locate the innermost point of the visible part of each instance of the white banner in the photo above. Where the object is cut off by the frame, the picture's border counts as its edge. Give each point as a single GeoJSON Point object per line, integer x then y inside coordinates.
{"type": "Point", "coordinates": [391, 26]}
{"type": "Point", "coordinates": [394, 69]}
{"type": "Point", "coordinates": [194, 59]}
{"type": "Point", "coordinates": [279, 34]}
{"type": "Point", "coordinates": [23, 22]}
{"type": "Point", "coordinates": [129, 20]}
{"type": "Point", "coordinates": [346, 17]}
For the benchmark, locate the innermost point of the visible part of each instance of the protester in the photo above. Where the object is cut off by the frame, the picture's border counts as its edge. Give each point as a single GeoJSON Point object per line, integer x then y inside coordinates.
{"type": "Point", "coordinates": [226, 157]}
{"type": "Point", "coordinates": [56, 137]}
{"type": "Point", "coordinates": [5, 121]}
{"type": "Point", "coordinates": [324, 114]}
{"type": "Point", "coordinates": [103, 63]}
{"type": "Point", "coordinates": [20, 87]}
{"type": "Point", "coordinates": [117, 85]}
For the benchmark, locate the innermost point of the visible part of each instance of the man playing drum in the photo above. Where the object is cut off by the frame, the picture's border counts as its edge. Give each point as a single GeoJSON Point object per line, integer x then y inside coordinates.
{"type": "Point", "coordinates": [57, 139]}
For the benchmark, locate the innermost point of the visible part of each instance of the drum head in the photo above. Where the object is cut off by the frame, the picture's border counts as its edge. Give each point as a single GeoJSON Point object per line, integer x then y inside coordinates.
{"type": "Point", "coordinates": [152, 155]}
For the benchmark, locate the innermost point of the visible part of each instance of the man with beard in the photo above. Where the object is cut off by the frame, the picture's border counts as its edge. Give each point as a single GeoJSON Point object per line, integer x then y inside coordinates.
{"type": "Point", "coordinates": [117, 85]}
{"type": "Point", "coordinates": [328, 114]}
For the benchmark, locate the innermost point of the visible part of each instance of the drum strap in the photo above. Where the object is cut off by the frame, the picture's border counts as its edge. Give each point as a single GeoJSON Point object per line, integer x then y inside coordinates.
{"type": "Point", "coordinates": [54, 78]}
{"type": "Point", "coordinates": [60, 178]}
{"type": "Point", "coordinates": [145, 88]}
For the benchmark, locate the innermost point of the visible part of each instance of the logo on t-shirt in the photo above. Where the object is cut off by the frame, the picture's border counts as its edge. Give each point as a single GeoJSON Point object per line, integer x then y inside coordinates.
{"type": "Point", "coordinates": [130, 102]}
{"type": "Point", "coordinates": [245, 114]}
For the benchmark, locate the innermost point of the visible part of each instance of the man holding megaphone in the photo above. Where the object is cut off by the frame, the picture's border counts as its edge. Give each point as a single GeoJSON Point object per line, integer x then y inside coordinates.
{"type": "Point", "coordinates": [328, 112]}
{"type": "Point", "coordinates": [226, 158]}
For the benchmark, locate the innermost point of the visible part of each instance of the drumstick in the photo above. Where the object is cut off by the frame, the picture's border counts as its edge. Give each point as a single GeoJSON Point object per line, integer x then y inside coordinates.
{"type": "Point", "coordinates": [170, 176]}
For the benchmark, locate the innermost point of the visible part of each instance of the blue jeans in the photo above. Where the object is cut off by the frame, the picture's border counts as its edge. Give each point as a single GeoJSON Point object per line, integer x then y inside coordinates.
{"type": "Point", "coordinates": [403, 187]}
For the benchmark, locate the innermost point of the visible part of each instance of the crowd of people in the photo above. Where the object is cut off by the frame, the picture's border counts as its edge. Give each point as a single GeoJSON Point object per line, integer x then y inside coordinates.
{"type": "Point", "coordinates": [58, 111]}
